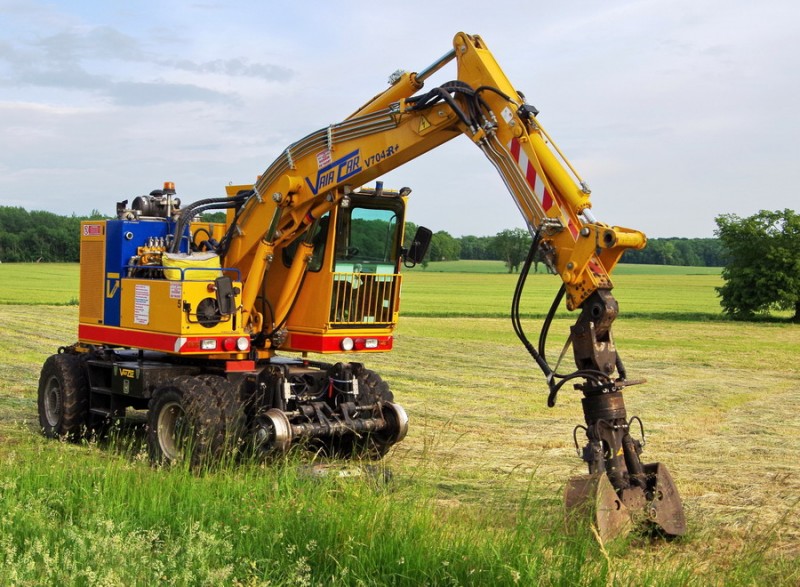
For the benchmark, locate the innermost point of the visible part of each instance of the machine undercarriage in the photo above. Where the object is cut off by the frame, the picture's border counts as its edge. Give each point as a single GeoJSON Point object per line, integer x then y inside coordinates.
{"type": "Point", "coordinates": [201, 415]}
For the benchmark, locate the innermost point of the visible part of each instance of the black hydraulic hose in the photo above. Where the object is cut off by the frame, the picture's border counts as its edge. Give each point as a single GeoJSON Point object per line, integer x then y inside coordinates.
{"type": "Point", "coordinates": [183, 217]}
{"type": "Point", "coordinates": [515, 318]}
{"type": "Point", "coordinates": [225, 241]}
{"type": "Point", "coordinates": [592, 375]}
{"type": "Point", "coordinates": [549, 319]}
{"type": "Point", "coordinates": [474, 101]}
{"type": "Point", "coordinates": [500, 93]}
{"type": "Point", "coordinates": [183, 220]}
{"type": "Point", "coordinates": [435, 96]}
{"type": "Point", "coordinates": [195, 207]}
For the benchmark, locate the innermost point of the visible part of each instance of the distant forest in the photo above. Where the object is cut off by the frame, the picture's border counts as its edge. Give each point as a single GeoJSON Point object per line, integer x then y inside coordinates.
{"type": "Point", "coordinates": [46, 237]}
{"type": "Point", "coordinates": [694, 252]}
{"type": "Point", "coordinates": [40, 236]}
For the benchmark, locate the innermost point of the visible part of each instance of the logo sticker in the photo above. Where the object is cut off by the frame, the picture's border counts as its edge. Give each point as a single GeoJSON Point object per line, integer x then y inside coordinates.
{"type": "Point", "coordinates": [336, 172]}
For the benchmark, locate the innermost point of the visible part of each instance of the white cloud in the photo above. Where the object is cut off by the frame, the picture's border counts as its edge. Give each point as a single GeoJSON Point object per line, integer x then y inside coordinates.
{"type": "Point", "coordinates": [673, 110]}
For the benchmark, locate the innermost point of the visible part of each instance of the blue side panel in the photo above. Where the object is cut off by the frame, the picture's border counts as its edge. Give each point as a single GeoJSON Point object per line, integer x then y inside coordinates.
{"type": "Point", "coordinates": [123, 237]}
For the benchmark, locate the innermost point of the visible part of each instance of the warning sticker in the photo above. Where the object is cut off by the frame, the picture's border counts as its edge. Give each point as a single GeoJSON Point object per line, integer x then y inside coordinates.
{"type": "Point", "coordinates": [423, 123]}
{"type": "Point", "coordinates": [92, 230]}
{"type": "Point", "coordinates": [141, 305]}
{"type": "Point", "coordinates": [175, 291]}
{"type": "Point", "coordinates": [323, 158]}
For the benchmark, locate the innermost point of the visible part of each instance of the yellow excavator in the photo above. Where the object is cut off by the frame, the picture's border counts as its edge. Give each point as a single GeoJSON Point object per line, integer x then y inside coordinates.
{"type": "Point", "coordinates": [185, 318]}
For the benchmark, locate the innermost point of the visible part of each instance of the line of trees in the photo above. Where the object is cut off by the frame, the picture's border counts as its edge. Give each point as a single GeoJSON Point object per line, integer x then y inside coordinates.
{"type": "Point", "coordinates": [39, 235]}
{"type": "Point", "coordinates": [511, 246]}
{"type": "Point", "coordinates": [44, 236]}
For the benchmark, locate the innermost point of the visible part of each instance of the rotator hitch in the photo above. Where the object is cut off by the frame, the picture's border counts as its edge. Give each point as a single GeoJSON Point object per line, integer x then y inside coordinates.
{"type": "Point", "coordinates": [619, 490]}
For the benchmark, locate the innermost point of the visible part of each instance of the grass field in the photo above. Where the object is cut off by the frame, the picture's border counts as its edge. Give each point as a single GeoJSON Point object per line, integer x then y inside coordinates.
{"type": "Point", "coordinates": [476, 489]}
{"type": "Point", "coordinates": [470, 266]}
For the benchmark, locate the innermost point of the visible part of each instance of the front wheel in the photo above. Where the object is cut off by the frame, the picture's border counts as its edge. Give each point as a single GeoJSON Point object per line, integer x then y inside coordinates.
{"type": "Point", "coordinates": [63, 400]}
{"type": "Point", "coordinates": [167, 428]}
{"type": "Point", "coordinates": [195, 420]}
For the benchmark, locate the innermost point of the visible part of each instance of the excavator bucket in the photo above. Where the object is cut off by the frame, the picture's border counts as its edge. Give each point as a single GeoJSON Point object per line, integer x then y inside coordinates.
{"type": "Point", "coordinates": [665, 511]}
{"type": "Point", "coordinates": [592, 496]}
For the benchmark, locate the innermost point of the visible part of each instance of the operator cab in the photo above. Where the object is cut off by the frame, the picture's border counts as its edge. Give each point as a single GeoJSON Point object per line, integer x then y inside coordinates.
{"type": "Point", "coordinates": [350, 295]}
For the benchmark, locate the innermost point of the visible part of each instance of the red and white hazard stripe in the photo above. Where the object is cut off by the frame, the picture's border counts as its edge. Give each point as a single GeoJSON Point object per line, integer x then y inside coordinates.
{"type": "Point", "coordinates": [537, 183]}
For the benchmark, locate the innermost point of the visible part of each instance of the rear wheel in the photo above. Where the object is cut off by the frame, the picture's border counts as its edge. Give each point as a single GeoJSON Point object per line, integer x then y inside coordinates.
{"type": "Point", "coordinates": [167, 427]}
{"type": "Point", "coordinates": [183, 423]}
{"type": "Point", "coordinates": [63, 400]}
{"type": "Point", "coordinates": [373, 389]}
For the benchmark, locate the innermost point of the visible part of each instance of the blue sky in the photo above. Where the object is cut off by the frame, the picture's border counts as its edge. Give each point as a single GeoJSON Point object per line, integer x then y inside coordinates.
{"type": "Point", "coordinates": [673, 111]}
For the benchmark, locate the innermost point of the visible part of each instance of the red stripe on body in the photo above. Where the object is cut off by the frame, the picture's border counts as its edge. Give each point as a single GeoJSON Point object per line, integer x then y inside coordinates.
{"type": "Point", "coordinates": [127, 338]}
{"type": "Point", "coordinates": [333, 344]}
{"type": "Point", "coordinates": [530, 175]}
{"type": "Point", "coordinates": [547, 200]}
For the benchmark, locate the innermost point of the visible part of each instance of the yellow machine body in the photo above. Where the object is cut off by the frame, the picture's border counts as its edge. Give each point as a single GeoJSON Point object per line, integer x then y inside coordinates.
{"type": "Point", "coordinates": [118, 308]}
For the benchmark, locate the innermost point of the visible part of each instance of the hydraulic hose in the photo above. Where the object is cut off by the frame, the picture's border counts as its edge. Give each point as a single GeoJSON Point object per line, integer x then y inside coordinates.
{"type": "Point", "coordinates": [515, 318]}
{"type": "Point", "coordinates": [539, 356]}
{"type": "Point", "coordinates": [200, 206]}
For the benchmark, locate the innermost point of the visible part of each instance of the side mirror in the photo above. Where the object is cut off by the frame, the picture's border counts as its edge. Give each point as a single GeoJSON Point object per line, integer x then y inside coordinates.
{"type": "Point", "coordinates": [419, 247]}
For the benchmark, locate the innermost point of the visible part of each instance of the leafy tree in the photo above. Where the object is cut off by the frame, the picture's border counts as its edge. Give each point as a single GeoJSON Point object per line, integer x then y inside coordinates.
{"type": "Point", "coordinates": [218, 216]}
{"type": "Point", "coordinates": [763, 269]}
{"type": "Point", "coordinates": [39, 235]}
{"type": "Point", "coordinates": [476, 247]}
{"type": "Point", "coordinates": [408, 233]}
{"type": "Point", "coordinates": [444, 247]}
{"type": "Point", "coordinates": [511, 245]}
{"type": "Point", "coordinates": [694, 252]}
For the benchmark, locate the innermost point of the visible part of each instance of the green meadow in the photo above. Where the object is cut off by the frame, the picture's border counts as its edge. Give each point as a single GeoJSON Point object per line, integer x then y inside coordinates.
{"type": "Point", "coordinates": [471, 497]}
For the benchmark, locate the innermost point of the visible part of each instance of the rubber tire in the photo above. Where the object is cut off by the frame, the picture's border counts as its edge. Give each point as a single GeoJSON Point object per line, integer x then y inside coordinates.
{"type": "Point", "coordinates": [371, 388]}
{"type": "Point", "coordinates": [231, 409]}
{"type": "Point", "coordinates": [63, 400]}
{"type": "Point", "coordinates": [203, 434]}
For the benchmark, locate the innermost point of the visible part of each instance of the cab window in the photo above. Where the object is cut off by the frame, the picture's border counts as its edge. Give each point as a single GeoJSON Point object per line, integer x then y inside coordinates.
{"type": "Point", "coordinates": [367, 238]}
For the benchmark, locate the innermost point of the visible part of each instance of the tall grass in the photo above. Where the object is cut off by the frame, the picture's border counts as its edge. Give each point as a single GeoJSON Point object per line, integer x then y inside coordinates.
{"type": "Point", "coordinates": [98, 516]}
{"type": "Point", "coordinates": [111, 519]}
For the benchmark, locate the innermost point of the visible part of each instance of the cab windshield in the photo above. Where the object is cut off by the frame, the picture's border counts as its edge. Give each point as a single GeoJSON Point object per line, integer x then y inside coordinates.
{"type": "Point", "coordinates": [367, 240]}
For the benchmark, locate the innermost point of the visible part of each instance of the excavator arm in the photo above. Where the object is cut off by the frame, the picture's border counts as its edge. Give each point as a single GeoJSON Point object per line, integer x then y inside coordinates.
{"type": "Point", "coordinates": [315, 173]}
{"type": "Point", "coordinates": [318, 173]}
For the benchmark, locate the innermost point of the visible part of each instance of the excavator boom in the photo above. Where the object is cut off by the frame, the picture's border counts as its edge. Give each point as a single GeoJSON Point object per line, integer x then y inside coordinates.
{"type": "Point", "coordinates": [313, 174]}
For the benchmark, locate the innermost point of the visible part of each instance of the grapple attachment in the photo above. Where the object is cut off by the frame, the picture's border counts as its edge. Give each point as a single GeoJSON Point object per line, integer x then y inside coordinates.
{"type": "Point", "coordinates": [657, 508]}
